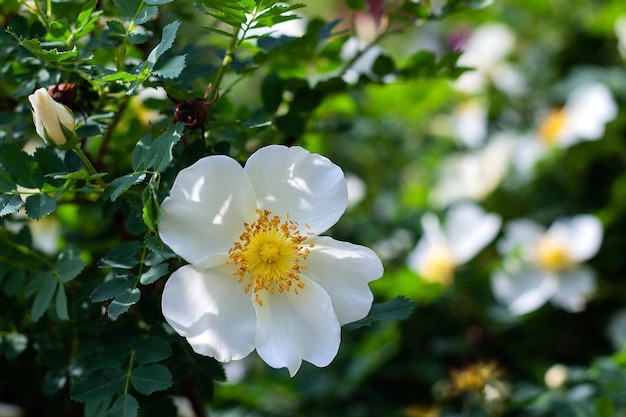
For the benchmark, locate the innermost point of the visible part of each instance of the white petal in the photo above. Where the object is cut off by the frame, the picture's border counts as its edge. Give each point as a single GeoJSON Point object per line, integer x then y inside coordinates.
{"type": "Point", "coordinates": [343, 270]}
{"type": "Point", "coordinates": [520, 235]}
{"type": "Point", "coordinates": [308, 187]}
{"type": "Point", "coordinates": [575, 286]}
{"type": "Point", "coordinates": [469, 229]}
{"type": "Point", "coordinates": [522, 288]}
{"type": "Point", "coordinates": [589, 108]}
{"type": "Point", "coordinates": [294, 327]}
{"type": "Point", "coordinates": [209, 308]}
{"type": "Point", "coordinates": [582, 235]}
{"type": "Point", "coordinates": [207, 207]}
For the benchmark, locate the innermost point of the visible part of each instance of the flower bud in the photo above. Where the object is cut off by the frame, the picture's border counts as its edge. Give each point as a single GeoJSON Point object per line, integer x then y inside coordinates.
{"type": "Point", "coordinates": [53, 121]}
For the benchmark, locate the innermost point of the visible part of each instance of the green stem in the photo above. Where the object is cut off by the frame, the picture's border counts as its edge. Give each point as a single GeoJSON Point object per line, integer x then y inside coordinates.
{"type": "Point", "coordinates": [228, 58]}
{"type": "Point", "coordinates": [89, 165]}
{"type": "Point", "coordinates": [29, 252]}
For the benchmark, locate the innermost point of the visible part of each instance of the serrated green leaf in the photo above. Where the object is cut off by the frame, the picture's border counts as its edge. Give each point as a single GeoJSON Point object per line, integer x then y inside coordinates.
{"type": "Point", "coordinates": [86, 18]}
{"type": "Point", "coordinates": [123, 302]}
{"type": "Point", "coordinates": [147, 379]}
{"type": "Point", "coordinates": [160, 151]}
{"type": "Point", "coordinates": [50, 163]}
{"type": "Point", "coordinates": [154, 273]}
{"type": "Point", "coordinates": [21, 166]}
{"type": "Point", "coordinates": [6, 182]}
{"type": "Point", "coordinates": [13, 344]}
{"type": "Point", "coordinates": [60, 303]}
{"type": "Point", "coordinates": [167, 41]}
{"type": "Point", "coordinates": [97, 408]}
{"type": "Point", "coordinates": [123, 257]}
{"type": "Point", "coordinates": [127, 8]}
{"type": "Point", "coordinates": [145, 14]}
{"type": "Point", "coordinates": [13, 282]}
{"type": "Point", "coordinates": [48, 55]}
{"type": "Point", "coordinates": [98, 385]}
{"type": "Point", "coordinates": [35, 283]}
{"type": "Point", "coordinates": [120, 185]}
{"type": "Point", "coordinates": [172, 68]}
{"type": "Point", "coordinates": [116, 26]}
{"type": "Point", "coordinates": [398, 308]}
{"type": "Point", "coordinates": [69, 265]}
{"type": "Point", "coordinates": [157, 246]}
{"type": "Point", "coordinates": [9, 204]}
{"type": "Point", "coordinates": [122, 76]}
{"type": "Point", "coordinates": [111, 289]}
{"type": "Point", "coordinates": [43, 298]}
{"type": "Point", "coordinates": [141, 153]}
{"type": "Point", "coordinates": [152, 349]}
{"type": "Point", "coordinates": [125, 406]}
{"type": "Point", "coordinates": [39, 205]}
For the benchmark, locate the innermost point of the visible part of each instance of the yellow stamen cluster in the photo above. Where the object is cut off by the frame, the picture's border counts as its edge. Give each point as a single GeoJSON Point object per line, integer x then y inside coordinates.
{"type": "Point", "coordinates": [552, 126]}
{"type": "Point", "coordinates": [474, 377]}
{"type": "Point", "coordinates": [438, 265]}
{"type": "Point", "coordinates": [269, 255]}
{"type": "Point", "coordinates": [551, 254]}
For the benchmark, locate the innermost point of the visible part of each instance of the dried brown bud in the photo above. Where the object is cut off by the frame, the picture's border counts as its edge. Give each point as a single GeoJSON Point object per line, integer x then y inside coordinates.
{"type": "Point", "coordinates": [63, 93]}
{"type": "Point", "coordinates": [192, 112]}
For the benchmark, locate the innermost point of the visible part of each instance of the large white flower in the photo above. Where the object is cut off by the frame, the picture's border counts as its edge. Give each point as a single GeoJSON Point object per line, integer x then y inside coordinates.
{"type": "Point", "coordinates": [545, 265]}
{"type": "Point", "coordinates": [260, 274]}
{"type": "Point", "coordinates": [467, 229]}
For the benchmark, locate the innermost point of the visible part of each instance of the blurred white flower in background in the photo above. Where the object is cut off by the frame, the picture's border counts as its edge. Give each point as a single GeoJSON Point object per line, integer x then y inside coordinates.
{"type": "Point", "coordinates": [470, 122]}
{"type": "Point", "coordinates": [466, 230]}
{"type": "Point", "coordinates": [616, 330]}
{"type": "Point", "coordinates": [546, 265]}
{"type": "Point", "coordinates": [587, 110]}
{"type": "Point", "coordinates": [485, 52]}
{"type": "Point", "coordinates": [473, 175]}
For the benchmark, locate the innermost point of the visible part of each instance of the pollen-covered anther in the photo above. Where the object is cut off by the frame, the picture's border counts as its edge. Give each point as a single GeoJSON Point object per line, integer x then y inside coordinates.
{"type": "Point", "coordinates": [269, 254]}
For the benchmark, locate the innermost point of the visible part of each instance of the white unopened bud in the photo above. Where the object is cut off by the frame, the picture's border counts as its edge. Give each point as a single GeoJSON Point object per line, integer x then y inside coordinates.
{"type": "Point", "coordinates": [53, 121]}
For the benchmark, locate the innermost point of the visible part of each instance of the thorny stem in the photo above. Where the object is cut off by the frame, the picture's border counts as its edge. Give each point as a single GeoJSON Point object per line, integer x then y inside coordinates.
{"type": "Point", "coordinates": [89, 166]}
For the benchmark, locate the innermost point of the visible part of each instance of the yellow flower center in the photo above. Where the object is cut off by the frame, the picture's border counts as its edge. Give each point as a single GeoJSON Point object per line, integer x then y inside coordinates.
{"type": "Point", "coordinates": [552, 254]}
{"type": "Point", "coordinates": [269, 254]}
{"type": "Point", "coordinates": [438, 265]}
{"type": "Point", "coordinates": [552, 126]}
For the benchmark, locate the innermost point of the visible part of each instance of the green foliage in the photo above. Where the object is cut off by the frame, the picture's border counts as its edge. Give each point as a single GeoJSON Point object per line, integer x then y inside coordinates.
{"type": "Point", "coordinates": [154, 85]}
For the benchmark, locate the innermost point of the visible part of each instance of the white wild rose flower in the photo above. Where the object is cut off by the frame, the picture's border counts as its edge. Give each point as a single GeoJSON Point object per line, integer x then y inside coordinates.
{"type": "Point", "coordinates": [466, 230]}
{"type": "Point", "coordinates": [260, 276]}
{"type": "Point", "coordinates": [547, 265]}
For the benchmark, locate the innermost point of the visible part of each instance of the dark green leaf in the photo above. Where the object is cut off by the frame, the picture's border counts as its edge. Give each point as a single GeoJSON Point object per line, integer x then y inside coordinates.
{"type": "Point", "coordinates": [398, 308]}
{"type": "Point", "coordinates": [69, 265]}
{"type": "Point", "coordinates": [120, 185]}
{"type": "Point", "coordinates": [61, 303]}
{"type": "Point", "coordinates": [13, 282]}
{"type": "Point", "coordinates": [141, 153]}
{"type": "Point", "coordinates": [123, 302]}
{"type": "Point", "coordinates": [152, 349]}
{"type": "Point", "coordinates": [157, 2]}
{"type": "Point", "coordinates": [154, 273]}
{"type": "Point", "coordinates": [356, 4]}
{"type": "Point", "coordinates": [97, 408]}
{"type": "Point", "coordinates": [6, 182]}
{"type": "Point", "coordinates": [271, 92]}
{"type": "Point", "coordinates": [54, 381]}
{"type": "Point", "coordinates": [383, 65]}
{"type": "Point", "coordinates": [147, 379]}
{"type": "Point", "coordinates": [50, 163]}
{"type": "Point", "coordinates": [124, 256]}
{"type": "Point", "coordinates": [13, 344]}
{"type": "Point", "coordinates": [167, 40]}
{"type": "Point", "coordinates": [157, 246]}
{"type": "Point", "coordinates": [172, 68]}
{"type": "Point", "coordinates": [35, 283]}
{"type": "Point", "coordinates": [160, 153]}
{"type": "Point", "coordinates": [152, 211]}
{"type": "Point", "coordinates": [126, 7]}
{"type": "Point", "coordinates": [116, 26]}
{"type": "Point", "coordinates": [125, 406]}
{"type": "Point", "coordinates": [43, 298]}
{"type": "Point", "coordinates": [98, 385]}
{"type": "Point", "coordinates": [21, 166]}
{"type": "Point", "coordinates": [145, 14]}
{"type": "Point", "coordinates": [111, 289]}
{"type": "Point", "coordinates": [39, 205]}
{"type": "Point", "coordinates": [10, 203]}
